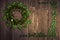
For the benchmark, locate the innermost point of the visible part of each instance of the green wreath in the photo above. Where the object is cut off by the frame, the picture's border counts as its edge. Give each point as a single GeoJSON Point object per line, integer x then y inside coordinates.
{"type": "Point", "coordinates": [15, 22]}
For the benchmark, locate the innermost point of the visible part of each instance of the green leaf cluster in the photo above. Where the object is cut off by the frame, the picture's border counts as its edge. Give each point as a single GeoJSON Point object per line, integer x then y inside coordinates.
{"type": "Point", "coordinates": [36, 35]}
{"type": "Point", "coordinates": [15, 22]}
{"type": "Point", "coordinates": [53, 4]}
{"type": "Point", "coordinates": [52, 29]}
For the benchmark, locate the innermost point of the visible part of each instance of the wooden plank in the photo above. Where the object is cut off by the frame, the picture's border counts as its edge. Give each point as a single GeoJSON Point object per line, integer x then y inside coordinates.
{"type": "Point", "coordinates": [41, 20]}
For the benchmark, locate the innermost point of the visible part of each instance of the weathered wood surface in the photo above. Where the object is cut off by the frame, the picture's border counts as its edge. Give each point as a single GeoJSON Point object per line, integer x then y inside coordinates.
{"type": "Point", "coordinates": [41, 19]}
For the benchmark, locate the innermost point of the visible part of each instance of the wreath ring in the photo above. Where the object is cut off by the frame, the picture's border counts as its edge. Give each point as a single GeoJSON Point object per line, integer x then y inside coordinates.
{"type": "Point", "coordinates": [24, 11]}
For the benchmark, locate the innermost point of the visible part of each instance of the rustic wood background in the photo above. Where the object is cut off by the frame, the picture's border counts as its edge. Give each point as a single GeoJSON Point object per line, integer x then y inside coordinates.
{"type": "Point", "coordinates": [41, 20]}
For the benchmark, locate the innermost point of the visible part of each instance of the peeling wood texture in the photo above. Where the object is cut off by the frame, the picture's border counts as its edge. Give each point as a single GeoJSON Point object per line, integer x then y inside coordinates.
{"type": "Point", "coordinates": [41, 20]}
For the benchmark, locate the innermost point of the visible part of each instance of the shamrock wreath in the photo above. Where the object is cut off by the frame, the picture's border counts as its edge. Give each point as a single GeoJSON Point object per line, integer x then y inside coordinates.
{"type": "Point", "coordinates": [23, 22]}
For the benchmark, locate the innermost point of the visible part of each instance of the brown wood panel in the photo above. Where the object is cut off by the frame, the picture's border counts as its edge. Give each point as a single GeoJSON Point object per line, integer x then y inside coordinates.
{"type": "Point", "coordinates": [41, 20]}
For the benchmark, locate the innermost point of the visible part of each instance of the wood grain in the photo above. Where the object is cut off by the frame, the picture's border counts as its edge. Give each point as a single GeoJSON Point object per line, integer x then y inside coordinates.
{"type": "Point", "coordinates": [41, 20]}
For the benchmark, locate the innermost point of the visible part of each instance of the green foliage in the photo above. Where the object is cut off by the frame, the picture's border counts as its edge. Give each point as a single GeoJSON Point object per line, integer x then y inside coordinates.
{"type": "Point", "coordinates": [28, 22]}
{"type": "Point", "coordinates": [52, 29]}
{"type": "Point", "coordinates": [14, 26]}
{"type": "Point", "coordinates": [33, 35]}
{"type": "Point", "coordinates": [19, 26]}
{"type": "Point", "coordinates": [25, 13]}
{"type": "Point", "coordinates": [25, 25]}
{"type": "Point", "coordinates": [8, 23]}
{"type": "Point", "coordinates": [53, 4]}
{"type": "Point", "coordinates": [36, 35]}
{"type": "Point", "coordinates": [15, 22]}
{"type": "Point", "coordinates": [4, 18]}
